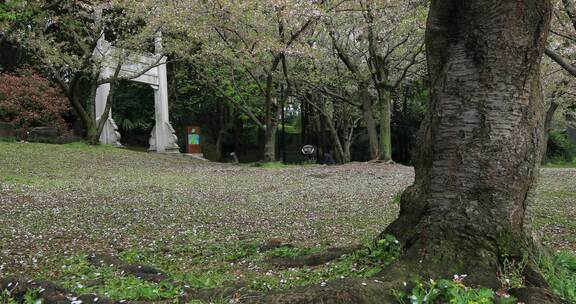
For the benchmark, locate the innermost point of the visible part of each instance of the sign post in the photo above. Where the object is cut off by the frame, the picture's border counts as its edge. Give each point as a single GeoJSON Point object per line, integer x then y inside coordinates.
{"type": "Point", "coordinates": [193, 140]}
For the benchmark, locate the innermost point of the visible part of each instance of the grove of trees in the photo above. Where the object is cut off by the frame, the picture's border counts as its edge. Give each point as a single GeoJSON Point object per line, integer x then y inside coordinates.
{"type": "Point", "coordinates": [349, 76]}
{"type": "Point", "coordinates": [355, 78]}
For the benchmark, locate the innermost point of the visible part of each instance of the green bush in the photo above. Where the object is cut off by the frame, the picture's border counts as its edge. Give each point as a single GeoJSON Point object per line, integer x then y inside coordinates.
{"type": "Point", "coordinates": [560, 148]}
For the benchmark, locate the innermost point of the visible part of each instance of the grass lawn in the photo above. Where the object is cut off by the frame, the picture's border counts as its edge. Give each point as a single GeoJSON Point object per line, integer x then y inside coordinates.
{"type": "Point", "coordinates": [203, 223]}
{"type": "Point", "coordinates": [561, 165]}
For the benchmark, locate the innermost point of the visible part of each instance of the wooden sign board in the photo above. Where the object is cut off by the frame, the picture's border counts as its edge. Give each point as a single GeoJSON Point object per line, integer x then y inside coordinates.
{"type": "Point", "coordinates": [193, 140]}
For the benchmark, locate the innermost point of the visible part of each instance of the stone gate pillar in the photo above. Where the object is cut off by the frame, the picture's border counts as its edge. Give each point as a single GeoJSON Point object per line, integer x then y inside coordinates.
{"type": "Point", "coordinates": [110, 134]}
{"type": "Point", "coordinates": [162, 138]}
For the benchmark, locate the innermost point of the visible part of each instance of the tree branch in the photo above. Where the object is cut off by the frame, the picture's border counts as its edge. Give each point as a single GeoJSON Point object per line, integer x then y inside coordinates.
{"type": "Point", "coordinates": [407, 68]}
{"type": "Point", "coordinates": [231, 100]}
{"type": "Point", "coordinates": [559, 60]}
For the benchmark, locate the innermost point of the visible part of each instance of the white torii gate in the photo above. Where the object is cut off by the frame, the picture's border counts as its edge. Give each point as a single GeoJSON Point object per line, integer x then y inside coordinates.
{"type": "Point", "coordinates": [162, 138]}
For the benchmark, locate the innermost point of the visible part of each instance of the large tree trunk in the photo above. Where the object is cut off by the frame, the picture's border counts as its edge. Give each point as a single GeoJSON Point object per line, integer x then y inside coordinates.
{"type": "Point", "coordinates": [481, 141]}
{"type": "Point", "coordinates": [365, 99]}
{"type": "Point", "coordinates": [477, 157]}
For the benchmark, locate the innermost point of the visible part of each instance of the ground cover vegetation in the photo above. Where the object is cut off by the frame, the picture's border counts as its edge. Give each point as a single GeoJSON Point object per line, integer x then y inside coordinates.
{"type": "Point", "coordinates": [168, 213]}
{"type": "Point", "coordinates": [352, 78]}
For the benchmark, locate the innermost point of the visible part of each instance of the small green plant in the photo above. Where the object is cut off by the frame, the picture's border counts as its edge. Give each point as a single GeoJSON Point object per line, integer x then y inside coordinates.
{"type": "Point", "coordinates": [242, 252]}
{"type": "Point", "coordinates": [6, 298]}
{"type": "Point", "coordinates": [560, 272]}
{"type": "Point", "coordinates": [81, 277]}
{"type": "Point", "coordinates": [288, 251]}
{"type": "Point", "coordinates": [132, 288]}
{"type": "Point", "coordinates": [397, 198]}
{"type": "Point", "coordinates": [385, 250]}
{"type": "Point", "coordinates": [32, 296]}
{"type": "Point", "coordinates": [510, 274]}
{"type": "Point", "coordinates": [452, 291]}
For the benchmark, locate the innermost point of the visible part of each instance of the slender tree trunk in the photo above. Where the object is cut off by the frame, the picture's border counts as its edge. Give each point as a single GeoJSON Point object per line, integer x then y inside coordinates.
{"type": "Point", "coordinates": [271, 132]}
{"type": "Point", "coordinates": [270, 143]}
{"type": "Point", "coordinates": [347, 136]}
{"type": "Point", "coordinates": [221, 132]}
{"type": "Point", "coordinates": [86, 117]}
{"type": "Point", "coordinates": [338, 149]}
{"type": "Point", "coordinates": [481, 141]}
{"type": "Point", "coordinates": [92, 135]}
{"type": "Point", "coordinates": [304, 122]}
{"type": "Point", "coordinates": [337, 143]}
{"type": "Point", "coordinates": [271, 122]}
{"type": "Point", "coordinates": [238, 132]}
{"type": "Point", "coordinates": [365, 99]}
{"type": "Point", "coordinates": [385, 125]}
{"type": "Point", "coordinates": [548, 126]}
{"type": "Point", "coordinates": [318, 129]}
{"type": "Point", "coordinates": [346, 144]}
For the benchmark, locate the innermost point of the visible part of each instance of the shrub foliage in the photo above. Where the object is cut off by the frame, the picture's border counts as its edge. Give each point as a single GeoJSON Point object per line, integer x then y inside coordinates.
{"type": "Point", "coordinates": [28, 100]}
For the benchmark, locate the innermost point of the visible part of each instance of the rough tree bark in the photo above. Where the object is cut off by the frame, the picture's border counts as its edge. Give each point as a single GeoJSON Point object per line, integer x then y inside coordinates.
{"type": "Point", "coordinates": [271, 120]}
{"type": "Point", "coordinates": [365, 99]}
{"type": "Point", "coordinates": [481, 141]}
{"type": "Point", "coordinates": [478, 154]}
{"type": "Point", "coordinates": [385, 126]}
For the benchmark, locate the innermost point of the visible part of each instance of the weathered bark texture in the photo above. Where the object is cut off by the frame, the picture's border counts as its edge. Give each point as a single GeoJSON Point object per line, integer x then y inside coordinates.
{"type": "Point", "coordinates": [385, 126]}
{"type": "Point", "coordinates": [272, 113]}
{"type": "Point", "coordinates": [477, 158]}
{"type": "Point", "coordinates": [481, 141]}
{"type": "Point", "coordinates": [365, 99]}
{"type": "Point", "coordinates": [338, 149]}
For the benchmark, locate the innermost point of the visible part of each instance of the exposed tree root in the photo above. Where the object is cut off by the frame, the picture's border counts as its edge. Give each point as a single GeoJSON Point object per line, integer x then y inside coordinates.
{"type": "Point", "coordinates": [274, 244]}
{"type": "Point", "coordinates": [314, 259]}
{"type": "Point", "coordinates": [229, 291]}
{"type": "Point", "coordinates": [50, 293]}
{"type": "Point", "coordinates": [384, 287]}
{"type": "Point", "coordinates": [536, 295]}
{"type": "Point", "coordinates": [141, 271]}
{"type": "Point", "coordinates": [362, 291]}
{"type": "Point", "coordinates": [380, 289]}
